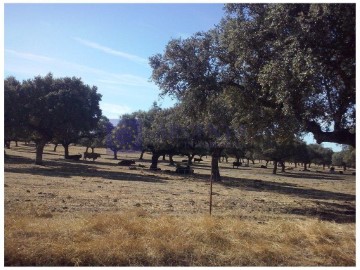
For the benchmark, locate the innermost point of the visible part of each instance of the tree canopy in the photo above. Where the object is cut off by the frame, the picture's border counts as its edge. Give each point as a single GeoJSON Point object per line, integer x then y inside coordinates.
{"type": "Point", "coordinates": [50, 108]}
{"type": "Point", "coordinates": [298, 59]}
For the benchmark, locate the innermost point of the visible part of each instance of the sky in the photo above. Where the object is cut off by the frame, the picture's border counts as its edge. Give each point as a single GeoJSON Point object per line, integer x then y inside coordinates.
{"type": "Point", "coordinates": [106, 45]}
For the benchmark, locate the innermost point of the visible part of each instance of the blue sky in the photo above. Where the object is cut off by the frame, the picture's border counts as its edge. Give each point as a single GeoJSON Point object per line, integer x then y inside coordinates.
{"type": "Point", "coordinates": [107, 45]}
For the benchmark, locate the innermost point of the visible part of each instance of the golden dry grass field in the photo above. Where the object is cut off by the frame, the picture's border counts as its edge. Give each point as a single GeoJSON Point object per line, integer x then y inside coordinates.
{"type": "Point", "coordinates": [96, 213]}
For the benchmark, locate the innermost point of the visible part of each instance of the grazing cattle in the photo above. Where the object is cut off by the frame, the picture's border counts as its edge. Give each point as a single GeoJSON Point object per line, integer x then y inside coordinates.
{"type": "Point", "coordinates": [185, 160]}
{"type": "Point", "coordinates": [263, 167]}
{"type": "Point", "coordinates": [197, 160]}
{"type": "Point", "coordinates": [126, 162]}
{"type": "Point", "coordinates": [74, 157]}
{"type": "Point", "coordinates": [92, 156]}
{"type": "Point", "coordinates": [237, 164]}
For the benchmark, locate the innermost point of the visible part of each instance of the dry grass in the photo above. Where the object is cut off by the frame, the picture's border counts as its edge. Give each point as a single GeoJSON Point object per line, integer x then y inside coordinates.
{"type": "Point", "coordinates": [98, 214]}
{"type": "Point", "coordinates": [139, 239]}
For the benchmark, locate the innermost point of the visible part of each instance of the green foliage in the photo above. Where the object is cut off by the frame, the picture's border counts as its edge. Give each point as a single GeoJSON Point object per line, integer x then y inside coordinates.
{"type": "Point", "coordinates": [51, 109]}
{"type": "Point", "coordinates": [296, 59]}
{"type": "Point", "coordinates": [345, 157]}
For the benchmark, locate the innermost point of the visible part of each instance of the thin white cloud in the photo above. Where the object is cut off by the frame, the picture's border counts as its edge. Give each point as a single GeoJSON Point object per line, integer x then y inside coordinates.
{"type": "Point", "coordinates": [48, 64]}
{"type": "Point", "coordinates": [30, 56]}
{"type": "Point", "coordinates": [113, 111]}
{"type": "Point", "coordinates": [111, 51]}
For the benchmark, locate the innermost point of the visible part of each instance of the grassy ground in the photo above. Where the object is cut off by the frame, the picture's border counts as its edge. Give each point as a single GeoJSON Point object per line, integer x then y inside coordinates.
{"type": "Point", "coordinates": [98, 213]}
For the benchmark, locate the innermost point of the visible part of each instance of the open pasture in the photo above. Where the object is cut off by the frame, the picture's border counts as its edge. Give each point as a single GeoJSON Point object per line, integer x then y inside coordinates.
{"type": "Point", "coordinates": [98, 213]}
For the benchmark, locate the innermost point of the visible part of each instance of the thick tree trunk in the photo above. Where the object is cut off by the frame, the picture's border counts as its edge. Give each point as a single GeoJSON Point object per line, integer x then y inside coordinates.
{"type": "Point", "coordinates": [215, 172]}
{"type": "Point", "coordinates": [275, 166]}
{"type": "Point", "coordinates": [39, 152]}
{"type": "Point", "coordinates": [66, 149]}
{"type": "Point", "coordinates": [154, 160]}
{"type": "Point", "coordinates": [141, 155]}
{"type": "Point", "coordinates": [163, 158]}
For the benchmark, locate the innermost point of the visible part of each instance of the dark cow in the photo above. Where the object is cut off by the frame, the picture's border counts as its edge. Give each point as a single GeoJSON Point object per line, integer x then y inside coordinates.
{"type": "Point", "coordinates": [126, 162]}
{"type": "Point", "coordinates": [197, 160]}
{"type": "Point", "coordinates": [237, 164]}
{"type": "Point", "coordinates": [184, 170]}
{"type": "Point", "coordinates": [92, 156]}
{"type": "Point", "coordinates": [74, 157]}
{"type": "Point", "coordinates": [263, 167]}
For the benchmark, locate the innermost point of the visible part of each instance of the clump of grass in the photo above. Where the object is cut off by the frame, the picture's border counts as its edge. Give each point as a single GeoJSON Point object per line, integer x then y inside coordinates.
{"type": "Point", "coordinates": [138, 239]}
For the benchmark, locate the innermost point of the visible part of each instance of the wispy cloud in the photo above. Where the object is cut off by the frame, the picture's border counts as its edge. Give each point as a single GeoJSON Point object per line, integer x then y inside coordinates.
{"type": "Point", "coordinates": [113, 111]}
{"type": "Point", "coordinates": [111, 51]}
{"type": "Point", "coordinates": [47, 64]}
{"type": "Point", "coordinates": [30, 56]}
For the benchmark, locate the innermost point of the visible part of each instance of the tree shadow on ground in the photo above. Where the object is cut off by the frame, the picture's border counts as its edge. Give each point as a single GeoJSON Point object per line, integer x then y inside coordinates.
{"type": "Point", "coordinates": [69, 168]}
{"type": "Point", "coordinates": [286, 188]}
{"type": "Point", "coordinates": [323, 176]}
{"type": "Point", "coordinates": [339, 213]}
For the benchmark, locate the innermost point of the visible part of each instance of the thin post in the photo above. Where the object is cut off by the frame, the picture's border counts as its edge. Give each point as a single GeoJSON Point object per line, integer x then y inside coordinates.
{"type": "Point", "coordinates": [211, 180]}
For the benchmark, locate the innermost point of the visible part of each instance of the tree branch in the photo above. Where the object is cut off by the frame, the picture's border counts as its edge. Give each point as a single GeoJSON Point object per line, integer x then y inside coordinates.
{"type": "Point", "coordinates": [341, 136]}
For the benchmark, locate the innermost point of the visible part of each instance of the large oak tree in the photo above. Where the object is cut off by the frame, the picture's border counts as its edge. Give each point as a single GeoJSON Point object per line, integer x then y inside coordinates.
{"type": "Point", "coordinates": [298, 59]}
{"type": "Point", "coordinates": [52, 108]}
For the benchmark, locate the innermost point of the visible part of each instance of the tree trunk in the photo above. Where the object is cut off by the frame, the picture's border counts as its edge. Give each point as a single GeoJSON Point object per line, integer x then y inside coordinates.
{"type": "Point", "coordinates": [275, 166]}
{"type": "Point", "coordinates": [154, 160]}
{"type": "Point", "coordinates": [340, 136]}
{"type": "Point", "coordinates": [344, 166]}
{"type": "Point", "coordinates": [215, 172]}
{"type": "Point", "coordinates": [115, 154]}
{"type": "Point", "coordinates": [16, 143]}
{"type": "Point", "coordinates": [39, 152]}
{"type": "Point", "coordinates": [305, 167]}
{"type": "Point", "coordinates": [190, 158]}
{"type": "Point", "coordinates": [141, 155]}
{"type": "Point", "coordinates": [282, 166]}
{"type": "Point", "coordinates": [56, 145]}
{"type": "Point", "coordinates": [172, 163]}
{"type": "Point", "coordinates": [66, 148]}
{"type": "Point", "coordinates": [7, 144]}
{"type": "Point", "coordinates": [163, 158]}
